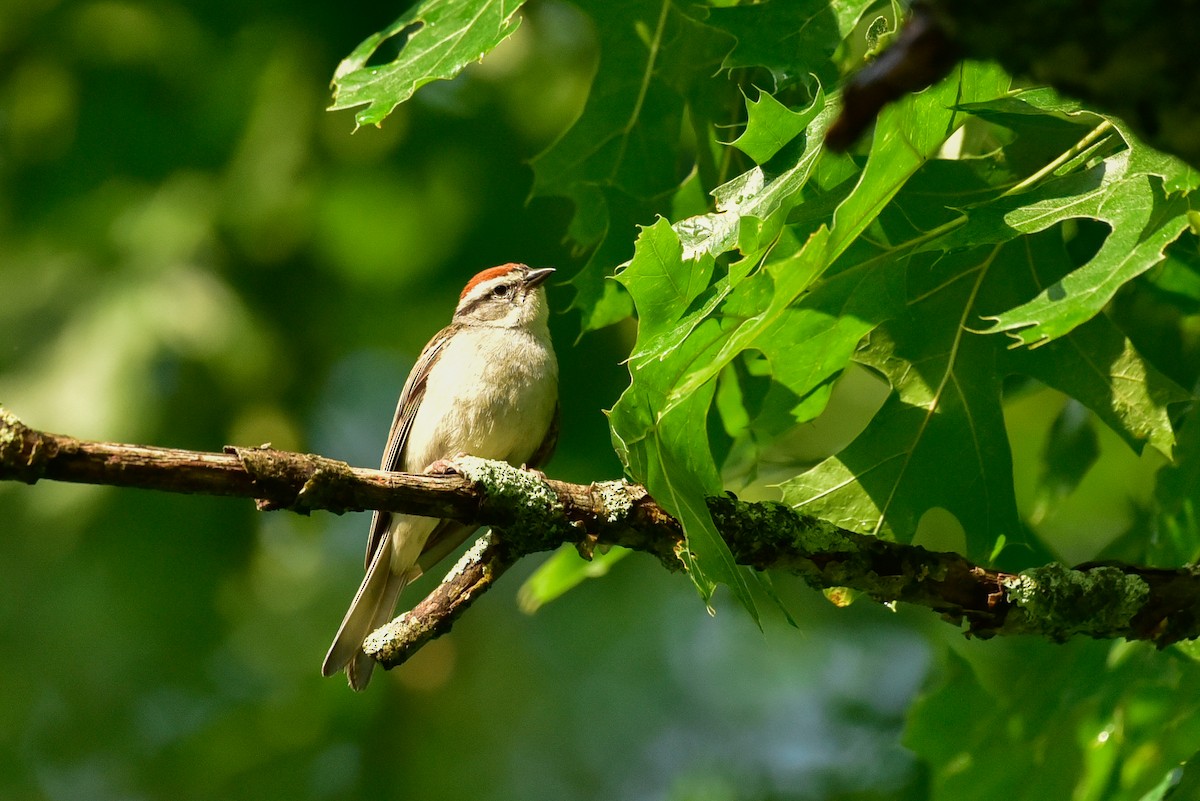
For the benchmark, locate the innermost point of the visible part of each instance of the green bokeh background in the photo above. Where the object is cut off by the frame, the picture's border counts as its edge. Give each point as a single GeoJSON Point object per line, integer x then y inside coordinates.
{"type": "Point", "coordinates": [193, 253]}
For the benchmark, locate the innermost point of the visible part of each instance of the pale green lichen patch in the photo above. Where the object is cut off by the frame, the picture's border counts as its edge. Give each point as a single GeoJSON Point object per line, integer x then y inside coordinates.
{"type": "Point", "coordinates": [807, 534]}
{"type": "Point", "coordinates": [387, 640]}
{"type": "Point", "coordinates": [615, 503]}
{"type": "Point", "coordinates": [15, 461]}
{"type": "Point", "coordinates": [756, 531]}
{"type": "Point", "coordinates": [535, 508]}
{"type": "Point", "coordinates": [1060, 602]}
{"type": "Point", "coordinates": [10, 430]}
{"type": "Point", "coordinates": [474, 554]}
{"type": "Point", "coordinates": [821, 536]}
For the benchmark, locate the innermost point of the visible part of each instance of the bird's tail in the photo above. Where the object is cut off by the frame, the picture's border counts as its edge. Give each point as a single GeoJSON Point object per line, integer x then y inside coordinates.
{"type": "Point", "coordinates": [372, 606]}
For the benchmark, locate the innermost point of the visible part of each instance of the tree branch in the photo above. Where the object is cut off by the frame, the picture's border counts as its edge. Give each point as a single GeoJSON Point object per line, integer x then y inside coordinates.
{"type": "Point", "coordinates": [529, 514]}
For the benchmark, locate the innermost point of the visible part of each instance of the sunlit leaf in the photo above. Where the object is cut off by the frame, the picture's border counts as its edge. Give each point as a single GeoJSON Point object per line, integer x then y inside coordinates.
{"type": "Point", "coordinates": [1180, 784]}
{"type": "Point", "coordinates": [443, 36]}
{"type": "Point", "coordinates": [945, 409]}
{"type": "Point", "coordinates": [1144, 223]}
{"type": "Point", "coordinates": [758, 193]}
{"type": "Point", "coordinates": [1043, 101]}
{"type": "Point", "coordinates": [947, 384]}
{"type": "Point", "coordinates": [669, 451]}
{"type": "Point", "coordinates": [1100, 367]}
{"type": "Point", "coordinates": [769, 126]}
{"type": "Point", "coordinates": [1123, 191]}
{"type": "Point", "coordinates": [908, 134]}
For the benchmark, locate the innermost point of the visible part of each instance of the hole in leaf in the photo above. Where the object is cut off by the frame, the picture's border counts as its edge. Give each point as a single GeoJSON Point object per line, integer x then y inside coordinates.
{"type": "Point", "coordinates": [389, 49]}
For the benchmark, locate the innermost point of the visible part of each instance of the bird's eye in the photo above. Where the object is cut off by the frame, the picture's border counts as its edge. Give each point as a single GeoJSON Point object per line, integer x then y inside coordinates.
{"type": "Point", "coordinates": [501, 291]}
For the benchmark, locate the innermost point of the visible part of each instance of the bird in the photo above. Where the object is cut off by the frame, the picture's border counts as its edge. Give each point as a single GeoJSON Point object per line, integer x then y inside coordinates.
{"type": "Point", "coordinates": [485, 385]}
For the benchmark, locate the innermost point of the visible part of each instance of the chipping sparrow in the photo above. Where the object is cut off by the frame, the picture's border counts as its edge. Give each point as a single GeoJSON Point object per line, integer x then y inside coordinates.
{"type": "Point", "coordinates": [486, 385]}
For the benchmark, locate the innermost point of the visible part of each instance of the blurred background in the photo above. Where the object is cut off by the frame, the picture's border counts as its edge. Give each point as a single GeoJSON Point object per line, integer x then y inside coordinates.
{"type": "Point", "coordinates": [193, 252]}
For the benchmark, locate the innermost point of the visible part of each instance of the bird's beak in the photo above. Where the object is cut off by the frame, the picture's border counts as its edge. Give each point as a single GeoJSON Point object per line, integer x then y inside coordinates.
{"type": "Point", "coordinates": [538, 277]}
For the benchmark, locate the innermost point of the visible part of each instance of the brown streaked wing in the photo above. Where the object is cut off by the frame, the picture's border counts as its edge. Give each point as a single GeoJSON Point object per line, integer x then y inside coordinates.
{"type": "Point", "coordinates": [406, 412]}
{"type": "Point", "coordinates": [448, 535]}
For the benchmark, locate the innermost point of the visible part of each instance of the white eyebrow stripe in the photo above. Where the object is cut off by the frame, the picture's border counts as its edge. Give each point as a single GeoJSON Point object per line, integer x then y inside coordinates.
{"type": "Point", "coordinates": [480, 292]}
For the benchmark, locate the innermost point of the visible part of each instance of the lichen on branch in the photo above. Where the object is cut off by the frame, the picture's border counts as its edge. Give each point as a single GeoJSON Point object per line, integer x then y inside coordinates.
{"type": "Point", "coordinates": [530, 513]}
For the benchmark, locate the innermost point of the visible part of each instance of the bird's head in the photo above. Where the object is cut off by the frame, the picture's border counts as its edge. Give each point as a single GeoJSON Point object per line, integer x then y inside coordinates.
{"type": "Point", "coordinates": [508, 296]}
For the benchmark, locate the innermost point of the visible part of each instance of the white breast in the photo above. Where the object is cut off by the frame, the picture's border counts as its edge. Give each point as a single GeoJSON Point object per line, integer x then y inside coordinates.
{"type": "Point", "coordinates": [492, 394]}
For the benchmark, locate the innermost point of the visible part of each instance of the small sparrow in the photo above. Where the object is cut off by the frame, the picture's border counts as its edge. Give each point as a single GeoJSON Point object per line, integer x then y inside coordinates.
{"type": "Point", "coordinates": [485, 385]}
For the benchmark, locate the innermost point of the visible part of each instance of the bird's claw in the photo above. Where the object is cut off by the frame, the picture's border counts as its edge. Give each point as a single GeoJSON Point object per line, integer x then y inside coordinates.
{"type": "Point", "coordinates": [535, 471]}
{"type": "Point", "coordinates": [446, 467]}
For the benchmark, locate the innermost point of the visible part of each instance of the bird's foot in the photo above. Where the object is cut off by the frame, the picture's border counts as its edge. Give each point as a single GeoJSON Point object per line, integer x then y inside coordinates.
{"type": "Point", "coordinates": [445, 467]}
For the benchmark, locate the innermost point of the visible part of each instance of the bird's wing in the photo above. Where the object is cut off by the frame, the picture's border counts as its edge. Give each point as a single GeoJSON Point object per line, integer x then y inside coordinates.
{"type": "Point", "coordinates": [406, 412]}
{"type": "Point", "coordinates": [448, 535]}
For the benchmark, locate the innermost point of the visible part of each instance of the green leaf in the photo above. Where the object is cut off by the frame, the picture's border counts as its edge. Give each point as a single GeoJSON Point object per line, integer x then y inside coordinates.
{"type": "Point", "coordinates": [1096, 363]}
{"type": "Point", "coordinates": [1179, 483]}
{"type": "Point", "coordinates": [763, 580]}
{"type": "Point", "coordinates": [770, 125]}
{"type": "Point", "coordinates": [953, 726]}
{"type": "Point", "coordinates": [807, 340]}
{"type": "Point", "coordinates": [671, 456]}
{"type": "Point", "coordinates": [600, 300]}
{"type": "Point", "coordinates": [1180, 784]}
{"type": "Point", "coordinates": [1029, 721]}
{"type": "Point", "coordinates": [1177, 492]}
{"type": "Point", "coordinates": [1144, 222]}
{"type": "Point", "coordinates": [731, 404]}
{"type": "Point", "coordinates": [628, 135]}
{"type": "Point", "coordinates": [563, 571]}
{"type": "Point", "coordinates": [1071, 449]}
{"type": "Point", "coordinates": [664, 287]}
{"type": "Point", "coordinates": [1042, 101]}
{"type": "Point", "coordinates": [669, 451]}
{"type": "Point", "coordinates": [444, 36]}
{"type": "Point", "coordinates": [622, 157]}
{"type": "Point", "coordinates": [907, 134]}
{"type": "Point", "coordinates": [790, 39]}
{"type": "Point", "coordinates": [1179, 277]}
{"type": "Point", "coordinates": [945, 410]}
{"type": "Point", "coordinates": [1099, 366]}
{"type": "Point", "coordinates": [758, 193]}
{"type": "Point", "coordinates": [805, 324]}
{"type": "Point", "coordinates": [1125, 190]}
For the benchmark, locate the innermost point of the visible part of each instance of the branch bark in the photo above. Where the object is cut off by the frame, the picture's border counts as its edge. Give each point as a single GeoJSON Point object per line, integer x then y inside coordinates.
{"type": "Point", "coordinates": [529, 513]}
